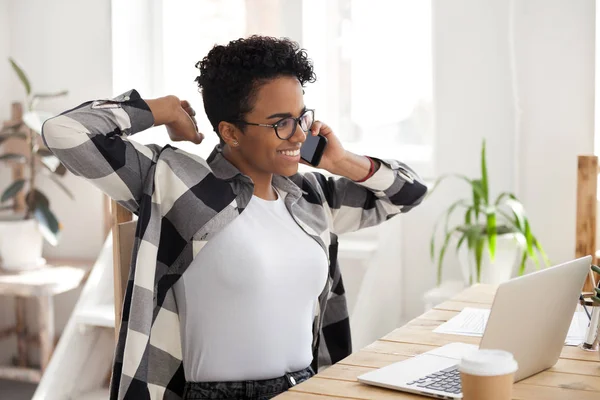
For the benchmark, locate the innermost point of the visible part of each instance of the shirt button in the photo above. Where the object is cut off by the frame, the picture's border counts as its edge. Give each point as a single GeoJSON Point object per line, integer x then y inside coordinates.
{"type": "Point", "coordinates": [292, 380]}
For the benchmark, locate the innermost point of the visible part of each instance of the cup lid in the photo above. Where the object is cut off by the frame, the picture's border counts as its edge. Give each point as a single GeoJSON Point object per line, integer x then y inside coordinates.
{"type": "Point", "coordinates": [487, 362]}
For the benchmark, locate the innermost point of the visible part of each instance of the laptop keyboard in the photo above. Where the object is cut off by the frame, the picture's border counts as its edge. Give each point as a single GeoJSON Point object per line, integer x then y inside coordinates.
{"type": "Point", "coordinates": [446, 380]}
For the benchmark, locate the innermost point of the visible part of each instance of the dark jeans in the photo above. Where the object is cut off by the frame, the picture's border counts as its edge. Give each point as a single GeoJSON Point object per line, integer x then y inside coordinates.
{"type": "Point", "coordinates": [251, 390]}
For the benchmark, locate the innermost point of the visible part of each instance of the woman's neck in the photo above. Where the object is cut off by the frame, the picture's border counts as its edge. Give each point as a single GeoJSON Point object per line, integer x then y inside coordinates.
{"type": "Point", "coordinates": [263, 187]}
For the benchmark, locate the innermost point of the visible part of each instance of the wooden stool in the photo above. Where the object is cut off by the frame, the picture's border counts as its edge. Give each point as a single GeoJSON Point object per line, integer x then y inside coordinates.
{"type": "Point", "coordinates": [41, 284]}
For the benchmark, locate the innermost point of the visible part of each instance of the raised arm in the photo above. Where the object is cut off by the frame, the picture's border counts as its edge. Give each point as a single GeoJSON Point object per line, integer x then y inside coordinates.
{"type": "Point", "coordinates": [91, 140]}
{"type": "Point", "coordinates": [369, 191]}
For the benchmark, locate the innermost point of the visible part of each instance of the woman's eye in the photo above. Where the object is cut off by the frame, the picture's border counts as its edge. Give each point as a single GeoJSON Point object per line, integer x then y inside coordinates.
{"type": "Point", "coordinates": [284, 123]}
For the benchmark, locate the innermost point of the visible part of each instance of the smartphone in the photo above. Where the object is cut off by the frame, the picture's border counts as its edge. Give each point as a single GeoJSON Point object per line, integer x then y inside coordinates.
{"type": "Point", "coordinates": [312, 149]}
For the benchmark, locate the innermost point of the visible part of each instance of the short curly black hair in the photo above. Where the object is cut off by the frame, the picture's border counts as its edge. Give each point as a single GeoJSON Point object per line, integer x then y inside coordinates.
{"type": "Point", "coordinates": [230, 75]}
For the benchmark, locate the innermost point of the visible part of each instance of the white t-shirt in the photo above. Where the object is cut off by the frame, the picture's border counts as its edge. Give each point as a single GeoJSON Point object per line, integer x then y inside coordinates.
{"type": "Point", "coordinates": [246, 303]}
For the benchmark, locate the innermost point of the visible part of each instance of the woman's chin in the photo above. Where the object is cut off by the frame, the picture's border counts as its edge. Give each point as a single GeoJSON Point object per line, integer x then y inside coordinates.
{"type": "Point", "coordinates": [288, 170]}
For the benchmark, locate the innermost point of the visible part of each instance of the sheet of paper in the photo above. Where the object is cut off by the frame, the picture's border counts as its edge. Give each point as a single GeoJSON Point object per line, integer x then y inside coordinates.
{"type": "Point", "coordinates": [469, 322]}
{"type": "Point", "coordinates": [472, 322]}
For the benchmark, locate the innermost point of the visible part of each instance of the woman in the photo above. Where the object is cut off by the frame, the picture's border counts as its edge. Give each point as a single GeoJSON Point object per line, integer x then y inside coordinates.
{"type": "Point", "coordinates": [234, 290]}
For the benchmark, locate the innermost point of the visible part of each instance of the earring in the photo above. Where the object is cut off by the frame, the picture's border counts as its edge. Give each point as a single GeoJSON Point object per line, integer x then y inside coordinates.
{"type": "Point", "coordinates": [235, 143]}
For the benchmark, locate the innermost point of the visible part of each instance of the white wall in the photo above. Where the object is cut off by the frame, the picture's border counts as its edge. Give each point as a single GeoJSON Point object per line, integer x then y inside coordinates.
{"type": "Point", "coordinates": [61, 45]}
{"type": "Point", "coordinates": [554, 48]}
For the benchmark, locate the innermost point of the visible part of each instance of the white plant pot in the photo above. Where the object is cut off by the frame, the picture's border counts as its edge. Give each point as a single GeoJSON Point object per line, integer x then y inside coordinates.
{"type": "Point", "coordinates": [506, 261]}
{"type": "Point", "coordinates": [20, 244]}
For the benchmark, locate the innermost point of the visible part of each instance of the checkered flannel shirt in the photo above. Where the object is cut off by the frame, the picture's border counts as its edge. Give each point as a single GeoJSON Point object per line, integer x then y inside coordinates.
{"type": "Point", "coordinates": [182, 201]}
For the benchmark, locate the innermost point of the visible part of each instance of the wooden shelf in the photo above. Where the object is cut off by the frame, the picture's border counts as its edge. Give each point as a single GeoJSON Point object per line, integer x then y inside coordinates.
{"type": "Point", "coordinates": [99, 315]}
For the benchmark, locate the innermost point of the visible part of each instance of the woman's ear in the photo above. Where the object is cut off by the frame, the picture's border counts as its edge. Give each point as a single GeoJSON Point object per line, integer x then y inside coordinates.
{"type": "Point", "coordinates": [229, 133]}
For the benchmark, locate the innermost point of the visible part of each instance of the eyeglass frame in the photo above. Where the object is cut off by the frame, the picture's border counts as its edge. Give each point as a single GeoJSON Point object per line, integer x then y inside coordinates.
{"type": "Point", "coordinates": [274, 126]}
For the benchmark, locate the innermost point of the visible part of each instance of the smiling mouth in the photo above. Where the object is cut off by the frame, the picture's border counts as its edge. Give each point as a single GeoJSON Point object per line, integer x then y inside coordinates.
{"type": "Point", "coordinates": [290, 153]}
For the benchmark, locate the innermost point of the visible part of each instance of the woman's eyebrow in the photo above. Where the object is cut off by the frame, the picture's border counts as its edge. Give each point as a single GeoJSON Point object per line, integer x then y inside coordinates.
{"type": "Point", "coordinates": [285, 115]}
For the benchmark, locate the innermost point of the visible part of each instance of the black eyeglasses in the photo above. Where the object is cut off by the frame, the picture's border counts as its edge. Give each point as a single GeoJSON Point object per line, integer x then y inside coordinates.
{"type": "Point", "coordinates": [286, 127]}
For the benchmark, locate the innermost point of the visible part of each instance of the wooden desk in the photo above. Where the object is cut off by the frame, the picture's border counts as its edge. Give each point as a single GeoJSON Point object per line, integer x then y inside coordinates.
{"type": "Point", "coordinates": [42, 284]}
{"type": "Point", "coordinates": [576, 375]}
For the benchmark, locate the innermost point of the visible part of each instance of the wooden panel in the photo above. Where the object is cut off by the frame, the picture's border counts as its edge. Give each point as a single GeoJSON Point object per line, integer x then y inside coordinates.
{"type": "Point", "coordinates": [107, 219]}
{"type": "Point", "coordinates": [46, 327]}
{"type": "Point", "coordinates": [123, 230]}
{"type": "Point", "coordinates": [348, 389]}
{"type": "Point", "coordinates": [21, 329]}
{"type": "Point", "coordinates": [587, 178]}
{"type": "Point", "coordinates": [306, 396]}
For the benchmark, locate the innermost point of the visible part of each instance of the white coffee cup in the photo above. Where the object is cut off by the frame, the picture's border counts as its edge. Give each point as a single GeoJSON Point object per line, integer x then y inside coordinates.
{"type": "Point", "coordinates": [487, 374]}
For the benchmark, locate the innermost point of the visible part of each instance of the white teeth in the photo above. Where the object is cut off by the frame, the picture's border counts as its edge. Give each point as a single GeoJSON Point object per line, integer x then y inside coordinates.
{"type": "Point", "coordinates": [291, 153]}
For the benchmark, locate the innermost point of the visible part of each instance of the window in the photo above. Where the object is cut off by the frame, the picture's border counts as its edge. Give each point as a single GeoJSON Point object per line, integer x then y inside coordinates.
{"type": "Point", "coordinates": [372, 59]}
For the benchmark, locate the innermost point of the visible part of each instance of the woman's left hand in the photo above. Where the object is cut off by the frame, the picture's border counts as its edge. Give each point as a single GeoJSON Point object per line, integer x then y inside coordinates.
{"type": "Point", "coordinates": [334, 151]}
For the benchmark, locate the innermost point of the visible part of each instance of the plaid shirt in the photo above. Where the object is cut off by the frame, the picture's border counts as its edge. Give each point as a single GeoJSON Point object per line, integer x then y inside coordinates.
{"type": "Point", "coordinates": [182, 201]}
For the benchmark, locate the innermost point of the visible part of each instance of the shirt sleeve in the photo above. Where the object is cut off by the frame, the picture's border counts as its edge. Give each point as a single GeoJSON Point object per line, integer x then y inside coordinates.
{"type": "Point", "coordinates": [395, 188]}
{"type": "Point", "coordinates": [91, 140]}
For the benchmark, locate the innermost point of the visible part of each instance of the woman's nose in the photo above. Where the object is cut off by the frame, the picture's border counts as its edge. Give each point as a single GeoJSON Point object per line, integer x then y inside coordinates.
{"type": "Point", "coordinates": [299, 135]}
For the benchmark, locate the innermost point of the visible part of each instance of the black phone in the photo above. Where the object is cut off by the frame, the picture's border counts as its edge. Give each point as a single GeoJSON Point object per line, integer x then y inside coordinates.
{"type": "Point", "coordinates": [312, 149]}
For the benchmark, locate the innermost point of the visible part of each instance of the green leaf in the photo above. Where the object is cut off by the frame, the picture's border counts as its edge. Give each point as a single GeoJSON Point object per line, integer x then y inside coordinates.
{"type": "Point", "coordinates": [19, 158]}
{"type": "Point", "coordinates": [596, 269]}
{"type": "Point", "coordinates": [39, 199]}
{"type": "Point", "coordinates": [447, 215]}
{"type": "Point", "coordinates": [461, 240]}
{"type": "Point", "coordinates": [478, 256]}
{"type": "Point", "coordinates": [540, 250]}
{"type": "Point", "coordinates": [502, 195]}
{"type": "Point", "coordinates": [491, 232]}
{"type": "Point", "coordinates": [22, 76]}
{"type": "Point", "coordinates": [474, 236]}
{"type": "Point", "coordinates": [518, 212]}
{"type": "Point", "coordinates": [484, 175]}
{"type": "Point", "coordinates": [523, 263]}
{"type": "Point", "coordinates": [477, 196]}
{"type": "Point", "coordinates": [468, 216]}
{"type": "Point", "coordinates": [49, 226]}
{"type": "Point", "coordinates": [12, 190]}
{"type": "Point", "coordinates": [450, 210]}
{"type": "Point", "coordinates": [596, 299]}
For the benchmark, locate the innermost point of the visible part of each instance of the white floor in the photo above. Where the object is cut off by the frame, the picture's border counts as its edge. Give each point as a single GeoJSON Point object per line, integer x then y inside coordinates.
{"type": "Point", "coordinates": [15, 390]}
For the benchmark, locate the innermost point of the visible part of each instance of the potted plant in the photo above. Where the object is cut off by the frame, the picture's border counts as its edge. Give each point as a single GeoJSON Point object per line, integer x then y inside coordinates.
{"type": "Point", "coordinates": [22, 231]}
{"type": "Point", "coordinates": [493, 235]}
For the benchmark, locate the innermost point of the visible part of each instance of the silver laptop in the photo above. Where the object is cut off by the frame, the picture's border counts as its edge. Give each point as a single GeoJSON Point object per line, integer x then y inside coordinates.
{"type": "Point", "coordinates": [530, 318]}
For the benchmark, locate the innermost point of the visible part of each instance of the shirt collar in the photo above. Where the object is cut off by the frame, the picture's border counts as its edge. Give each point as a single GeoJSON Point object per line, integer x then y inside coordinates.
{"type": "Point", "coordinates": [223, 169]}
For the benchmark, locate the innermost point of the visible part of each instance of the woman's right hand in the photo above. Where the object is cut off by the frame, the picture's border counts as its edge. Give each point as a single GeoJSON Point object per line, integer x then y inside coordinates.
{"type": "Point", "coordinates": [184, 126]}
{"type": "Point", "coordinates": [178, 117]}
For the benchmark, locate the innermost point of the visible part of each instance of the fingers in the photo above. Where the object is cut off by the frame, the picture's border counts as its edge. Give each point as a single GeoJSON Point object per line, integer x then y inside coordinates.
{"type": "Point", "coordinates": [320, 128]}
{"type": "Point", "coordinates": [188, 108]}
{"type": "Point", "coordinates": [199, 138]}
{"type": "Point", "coordinates": [316, 128]}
